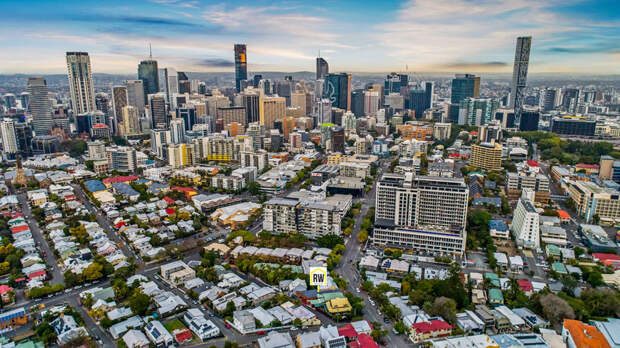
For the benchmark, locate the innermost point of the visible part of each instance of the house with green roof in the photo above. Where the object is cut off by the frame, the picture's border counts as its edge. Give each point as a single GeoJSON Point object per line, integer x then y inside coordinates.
{"type": "Point", "coordinates": [559, 268]}
{"type": "Point", "coordinates": [493, 278]}
{"type": "Point", "coordinates": [495, 297]}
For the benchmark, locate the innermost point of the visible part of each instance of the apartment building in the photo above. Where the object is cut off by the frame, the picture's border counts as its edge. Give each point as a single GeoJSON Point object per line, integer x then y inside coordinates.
{"type": "Point", "coordinates": [121, 158]}
{"type": "Point", "coordinates": [220, 148]}
{"type": "Point", "coordinates": [179, 155]}
{"type": "Point", "coordinates": [258, 159]}
{"type": "Point", "coordinates": [487, 156]}
{"type": "Point", "coordinates": [421, 213]}
{"type": "Point", "coordinates": [525, 223]}
{"type": "Point", "coordinates": [280, 215]}
{"type": "Point", "coordinates": [177, 272]}
{"type": "Point", "coordinates": [593, 200]}
{"type": "Point", "coordinates": [539, 183]}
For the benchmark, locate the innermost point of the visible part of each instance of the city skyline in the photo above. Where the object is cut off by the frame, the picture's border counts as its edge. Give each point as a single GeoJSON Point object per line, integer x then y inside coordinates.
{"type": "Point", "coordinates": [423, 35]}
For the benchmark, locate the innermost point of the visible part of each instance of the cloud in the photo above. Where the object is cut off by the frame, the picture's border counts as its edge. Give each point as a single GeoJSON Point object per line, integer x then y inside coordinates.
{"type": "Point", "coordinates": [215, 63]}
{"type": "Point", "coordinates": [473, 66]}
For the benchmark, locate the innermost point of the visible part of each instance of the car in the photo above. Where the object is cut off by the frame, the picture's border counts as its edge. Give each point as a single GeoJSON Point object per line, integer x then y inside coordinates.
{"type": "Point", "coordinates": [227, 325]}
{"type": "Point", "coordinates": [261, 332]}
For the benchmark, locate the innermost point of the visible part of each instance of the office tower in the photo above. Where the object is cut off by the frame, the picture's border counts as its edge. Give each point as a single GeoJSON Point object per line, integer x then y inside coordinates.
{"type": "Point", "coordinates": [570, 99]}
{"type": "Point", "coordinates": [157, 103]}
{"type": "Point", "coordinates": [177, 131]}
{"type": "Point", "coordinates": [159, 140]}
{"type": "Point", "coordinates": [529, 119]}
{"type": "Point", "coordinates": [147, 72]}
{"type": "Point", "coordinates": [10, 100]}
{"type": "Point", "coordinates": [23, 135]}
{"type": "Point", "coordinates": [423, 213]}
{"type": "Point", "coordinates": [487, 156]}
{"type": "Point", "coordinates": [241, 65]}
{"type": "Point", "coordinates": [417, 102]}
{"type": "Point", "coordinates": [571, 125]}
{"type": "Point", "coordinates": [232, 114]}
{"type": "Point", "coordinates": [348, 121]}
{"type": "Point", "coordinates": [121, 158]}
{"type": "Point", "coordinates": [42, 144]}
{"type": "Point", "coordinates": [256, 80]}
{"type": "Point", "coordinates": [357, 102]}
{"type": "Point", "coordinates": [322, 68]}
{"type": "Point", "coordinates": [135, 95]}
{"type": "Point", "coordinates": [188, 115]}
{"type": "Point", "coordinates": [371, 102]}
{"type": "Point", "coordinates": [171, 83]}
{"type": "Point", "coordinates": [519, 75]}
{"type": "Point", "coordinates": [119, 101]}
{"type": "Point", "coordinates": [220, 148]}
{"type": "Point", "coordinates": [338, 139]}
{"type": "Point", "coordinates": [393, 83]}
{"type": "Point", "coordinates": [525, 226]}
{"type": "Point", "coordinates": [298, 99]}
{"type": "Point", "coordinates": [548, 98]}
{"type": "Point", "coordinates": [463, 86]}
{"type": "Point", "coordinates": [477, 112]}
{"type": "Point", "coordinates": [272, 109]}
{"type": "Point", "coordinates": [216, 101]}
{"type": "Point", "coordinates": [80, 82]}
{"type": "Point", "coordinates": [429, 88]}
{"type": "Point", "coordinates": [24, 98]}
{"type": "Point", "coordinates": [324, 111]}
{"type": "Point", "coordinates": [83, 122]}
{"type": "Point", "coordinates": [9, 139]}
{"type": "Point", "coordinates": [337, 88]}
{"type": "Point", "coordinates": [130, 124]}
{"type": "Point", "coordinates": [185, 87]}
{"type": "Point", "coordinates": [251, 102]}
{"type": "Point", "coordinates": [40, 106]}
{"type": "Point", "coordinates": [102, 104]}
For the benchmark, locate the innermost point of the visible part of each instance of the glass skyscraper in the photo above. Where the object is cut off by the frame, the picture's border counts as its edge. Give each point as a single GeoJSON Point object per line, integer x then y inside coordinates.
{"type": "Point", "coordinates": [463, 86]}
{"type": "Point", "coordinates": [337, 89]}
{"type": "Point", "coordinates": [80, 82]}
{"type": "Point", "coordinates": [322, 68]}
{"type": "Point", "coordinates": [147, 72]}
{"type": "Point", "coordinates": [241, 65]}
{"type": "Point", "coordinates": [40, 106]}
{"type": "Point", "coordinates": [519, 75]}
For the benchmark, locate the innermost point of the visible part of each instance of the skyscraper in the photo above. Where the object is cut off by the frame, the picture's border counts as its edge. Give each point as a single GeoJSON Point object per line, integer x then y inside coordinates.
{"type": "Point", "coordinates": [337, 89]}
{"type": "Point", "coordinates": [241, 65]}
{"type": "Point", "coordinates": [9, 140]}
{"type": "Point", "coordinates": [322, 68]}
{"type": "Point", "coordinates": [80, 82]}
{"type": "Point", "coordinates": [102, 104]}
{"type": "Point", "coordinates": [119, 101]}
{"type": "Point", "coordinates": [135, 95]}
{"type": "Point", "coordinates": [417, 102]}
{"type": "Point", "coordinates": [519, 75]}
{"type": "Point", "coordinates": [463, 86]}
{"type": "Point", "coordinates": [251, 101]}
{"type": "Point", "coordinates": [40, 106]}
{"type": "Point", "coordinates": [147, 72]}
{"type": "Point", "coordinates": [157, 103]}
{"type": "Point", "coordinates": [172, 83]}
{"type": "Point", "coordinates": [357, 103]}
{"type": "Point", "coordinates": [428, 94]}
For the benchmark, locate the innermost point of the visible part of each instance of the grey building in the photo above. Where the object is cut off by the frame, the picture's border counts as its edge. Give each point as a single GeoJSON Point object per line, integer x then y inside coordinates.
{"type": "Point", "coordinates": [519, 75]}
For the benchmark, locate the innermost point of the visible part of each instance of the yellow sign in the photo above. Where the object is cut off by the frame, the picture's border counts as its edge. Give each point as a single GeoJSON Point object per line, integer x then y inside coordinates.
{"type": "Point", "coordinates": [318, 277]}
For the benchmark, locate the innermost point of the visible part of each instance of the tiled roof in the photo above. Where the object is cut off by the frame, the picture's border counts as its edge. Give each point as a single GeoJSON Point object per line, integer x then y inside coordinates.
{"type": "Point", "coordinates": [433, 325]}
{"type": "Point", "coordinates": [585, 336]}
{"type": "Point", "coordinates": [117, 179]}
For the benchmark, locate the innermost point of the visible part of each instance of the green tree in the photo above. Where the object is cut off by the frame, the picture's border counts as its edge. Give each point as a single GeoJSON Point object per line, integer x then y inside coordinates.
{"type": "Point", "coordinates": [329, 241]}
{"type": "Point", "coordinates": [139, 302]}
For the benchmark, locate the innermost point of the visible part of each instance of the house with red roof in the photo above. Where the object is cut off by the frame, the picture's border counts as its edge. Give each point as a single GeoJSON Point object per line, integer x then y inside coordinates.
{"type": "Point", "coordinates": [5, 293]}
{"type": "Point", "coordinates": [532, 163]}
{"type": "Point", "coordinates": [116, 179]}
{"type": "Point", "coordinates": [170, 211]}
{"type": "Point", "coordinates": [21, 230]}
{"type": "Point", "coordinates": [426, 330]}
{"type": "Point", "coordinates": [564, 216]}
{"type": "Point", "coordinates": [526, 286]}
{"type": "Point", "coordinates": [168, 200]}
{"type": "Point", "coordinates": [188, 191]}
{"type": "Point", "coordinates": [587, 168]}
{"type": "Point", "coordinates": [40, 275]}
{"type": "Point", "coordinates": [348, 332]}
{"type": "Point", "coordinates": [182, 335]}
{"type": "Point", "coordinates": [363, 341]}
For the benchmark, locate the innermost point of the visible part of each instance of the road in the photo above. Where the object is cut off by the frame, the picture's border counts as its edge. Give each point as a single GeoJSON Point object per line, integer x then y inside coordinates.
{"type": "Point", "coordinates": [41, 242]}
{"type": "Point", "coordinates": [107, 226]}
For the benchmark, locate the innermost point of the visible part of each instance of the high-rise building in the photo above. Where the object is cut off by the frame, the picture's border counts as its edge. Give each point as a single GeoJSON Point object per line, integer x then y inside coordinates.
{"type": "Point", "coordinates": [529, 119]}
{"type": "Point", "coordinates": [338, 139]}
{"type": "Point", "coordinates": [487, 156]}
{"type": "Point", "coordinates": [96, 151]}
{"type": "Point", "coordinates": [179, 155]}
{"type": "Point", "coordinates": [463, 86]}
{"type": "Point", "coordinates": [122, 158]}
{"type": "Point", "coordinates": [256, 80]}
{"type": "Point", "coordinates": [102, 104]}
{"type": "Point", "coordinates": [232, 114]}
{"type": "Point", "coordinates": [324, 111]}
{"type": "Point", "coordinates": [571, 125]}
{"type": "Point", "coordinates": [147, 72]}
{"type": "Point", "coordinates": [9, 139]}
{"type": "Point", "coordinates": [177, 131]}
{"type": "Point", "coordinates": [337, 89]}
{"type": "Point", "coordinates": [428, 94]}
{"type": "Point", "coordinates": [298, 99]}
{"type": "Point", "coordinates": [417, 102]}
{"type": "Point", "coordinates": [477, 111]}
{"type": "Point", "coordinates": [549, 99]}
{"type": "Point", "coordinates": [241, 65]}
{"type": "Point", "coordinates": [357, 103]}
{"type": "Point", "coordinates": [394, 82]}
{"type": "Point", "coordinates": [272, 109]}
{"type": "Point", "coordinates": [525, 226]}
{"type": "Point", "coordinates": [159, 140]}
{"type": "Point", "coordinates": [188, 115]}
{"type": "Point", "coordinates": [251, 102]}
{"type": "Point", "coordinates": [119, 101]}
{"type": "Point", "coordinates": [130, 124]}
{"type": "Point", "coordinates": [135, 95]}
{"type": "Point", "coordinates": [23, 134]}
{"type": "Point", "coordinates": [40, 106]}
{"type": "Point", "coordinates": [322, 68]}
{"type": "Point", "coordinates": [422, 213]}
{"type": "Point", "coordinates": [80, 82]}
{"type": "Point", "coordinates": [371, 102]}
{"type": "Point", "coordinates": [519, 75]}
{"type": "Point", "coordinates": [171, 83]}
{"type": "Point", "coordinates": [157, 104]}
{"type": "Point", "coordinates": [24, 97]}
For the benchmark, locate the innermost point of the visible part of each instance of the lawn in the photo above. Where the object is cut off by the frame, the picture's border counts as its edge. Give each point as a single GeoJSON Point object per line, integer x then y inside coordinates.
{"type": "Point", "coordinates": [173, 325]}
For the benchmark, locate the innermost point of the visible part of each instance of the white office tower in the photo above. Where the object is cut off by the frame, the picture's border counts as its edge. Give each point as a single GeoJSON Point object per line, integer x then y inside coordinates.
{"type": "Point", "coordinates": [422, 213]}
{"type": "Point", "coordinates": [80, 82]}
{"type": "Point", "coordinates": [371, 102]}
{"type": "Point", "coordinates": [525, 226]}
{"type": "Point", "coordinates": [177, 131]}
{"type": "Point", "coordinates": [324, 111]}
{"type": "Point", "coordinates": [159, 139]}
{"type": "Point", "coordinates": [135, 95]}
{"type": "Point", "coordinates": [9, 141]}
{"type": "Point", "coordinates": [172, 82]}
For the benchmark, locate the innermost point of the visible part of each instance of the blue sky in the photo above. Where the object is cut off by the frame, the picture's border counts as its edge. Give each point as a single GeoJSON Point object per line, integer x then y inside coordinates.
{"type": "Point", "coordinates": [578, 36]}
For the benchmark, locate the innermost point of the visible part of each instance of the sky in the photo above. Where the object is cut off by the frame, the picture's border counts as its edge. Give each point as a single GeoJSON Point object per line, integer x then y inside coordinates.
{"type": "Point", "coordinates": [574, 36]}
